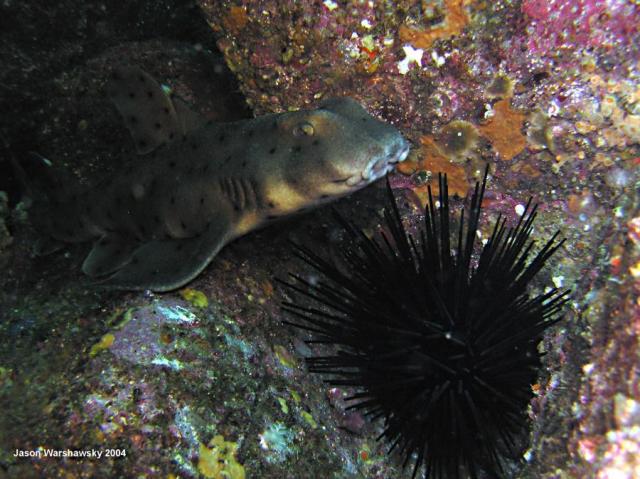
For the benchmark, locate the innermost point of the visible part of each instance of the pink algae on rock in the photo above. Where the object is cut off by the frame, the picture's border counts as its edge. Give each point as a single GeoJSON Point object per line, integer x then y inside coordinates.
{"type": "Point", "coordinates": [570, 24]}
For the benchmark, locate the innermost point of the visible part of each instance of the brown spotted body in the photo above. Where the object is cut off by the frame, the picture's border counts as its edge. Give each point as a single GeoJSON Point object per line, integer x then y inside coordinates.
{"type": "Point", "coordinates": [160, 223]}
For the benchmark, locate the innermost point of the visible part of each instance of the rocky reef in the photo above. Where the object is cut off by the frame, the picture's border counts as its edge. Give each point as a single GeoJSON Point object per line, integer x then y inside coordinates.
{"type": "Point", "coordinates": [206, 381]}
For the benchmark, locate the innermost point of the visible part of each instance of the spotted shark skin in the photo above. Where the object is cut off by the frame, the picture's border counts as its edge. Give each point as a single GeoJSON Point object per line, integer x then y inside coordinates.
{"type": "Point", "coordinates": [200, 185]}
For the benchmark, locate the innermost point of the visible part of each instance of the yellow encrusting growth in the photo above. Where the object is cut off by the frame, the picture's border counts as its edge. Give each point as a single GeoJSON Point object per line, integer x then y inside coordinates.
{"type": "Point", "coordinates": [284, 356]}
{"type": "Point", "coordinates": [105, 343]}
{"type": "Point", "coordinates": [217, 460]}
{"type": "Point", "coordinates": [195, 297]}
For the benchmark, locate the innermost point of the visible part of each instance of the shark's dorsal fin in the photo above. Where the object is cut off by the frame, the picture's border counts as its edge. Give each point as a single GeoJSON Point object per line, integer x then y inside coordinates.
{"type": "Point", "coordinates": [151, 115]}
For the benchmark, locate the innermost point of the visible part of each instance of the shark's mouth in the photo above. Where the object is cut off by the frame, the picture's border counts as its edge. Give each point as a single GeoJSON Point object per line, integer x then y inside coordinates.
{"type": "Point", "coordinates": [380, 166]}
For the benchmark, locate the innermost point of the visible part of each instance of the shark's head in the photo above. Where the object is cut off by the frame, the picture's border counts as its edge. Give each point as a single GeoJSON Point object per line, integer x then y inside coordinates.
{"type": "Point", "coordinates": [338, 148]}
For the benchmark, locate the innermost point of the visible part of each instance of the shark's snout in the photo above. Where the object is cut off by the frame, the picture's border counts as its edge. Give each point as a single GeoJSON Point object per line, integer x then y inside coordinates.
{"type": "Point", "coordinates": [393, 152]}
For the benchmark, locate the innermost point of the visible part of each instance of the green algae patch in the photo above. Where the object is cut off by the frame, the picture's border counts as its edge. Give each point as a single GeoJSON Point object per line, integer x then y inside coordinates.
{"type": "Point", "coordinates": [105, 343]}
{"type": "Point", "coordinates": [128, 315]}
{"type": "Point", "coordinates": [218, 461]}
{"type": "Point", "coordinates": [195, 297]}
{"type": "Point", "coordinates": [283, 405]}
{"type": "Point", "coordinates": [309, 419]}
{"type": "Point", "coordinates": [284, 356]}
{"type": "Point", "coordinates": [295, 396]}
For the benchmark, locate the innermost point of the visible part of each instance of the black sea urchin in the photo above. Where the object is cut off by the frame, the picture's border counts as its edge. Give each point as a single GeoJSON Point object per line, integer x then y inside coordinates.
{"type": "Point", "coordinates": [439, 340]}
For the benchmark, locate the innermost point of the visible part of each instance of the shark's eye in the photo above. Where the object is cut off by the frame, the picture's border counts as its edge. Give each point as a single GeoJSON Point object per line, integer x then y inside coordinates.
{"type": "Point", "coordinates": [303, 129]}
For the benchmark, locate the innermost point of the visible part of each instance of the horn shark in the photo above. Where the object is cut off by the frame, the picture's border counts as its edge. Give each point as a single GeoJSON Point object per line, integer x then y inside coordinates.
{"type": "Point", "coordinates": [200, 185]}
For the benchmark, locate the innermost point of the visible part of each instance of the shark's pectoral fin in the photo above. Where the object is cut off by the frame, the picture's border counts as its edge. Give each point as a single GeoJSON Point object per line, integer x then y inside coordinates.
{"type": "Point", "coordinates": [108, 254]}
{"type": "Point", "coordinates": [164, 265]}
{"type": "Point", "coordinates": [151, 115]}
